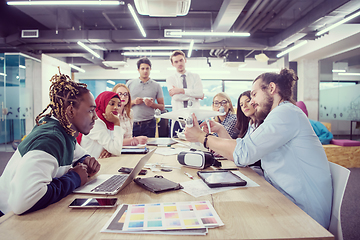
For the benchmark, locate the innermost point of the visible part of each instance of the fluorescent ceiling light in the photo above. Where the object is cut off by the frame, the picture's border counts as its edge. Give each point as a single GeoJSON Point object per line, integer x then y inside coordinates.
{"type": "Point", "coordinates": [243, 69]}
{"type": "Point", "coordinates": [110, 82]}
{"type": "Point", "coordinates": [338, 23]}
{"type": "Point", "coordinates": [77, 68]}
{"type": "Point", "coordinates": [147, 53]}
{"type": "Point", "coordinates": [221, 34]}
{"type": "Point", "coordinates": [22, 66]}
{"type": "Point", "coordinates": [88, 49]}
{"type": "Point", "coordinates": [155, 48]}
{"type": "Point", "coordinates": [132, 11]}
{"type": "Point", "coordinates": [190, 48]}
{"type": "Point", "coordinates": [338, 71]}
{"type": "Point", "coordinates": [291, 49]}
{"type": "Point", "coordinates": [29, 3]}
{"type": "Point", "coordinates": [3, 74]}
{"type": "Point", "coordinates": [349, 74]}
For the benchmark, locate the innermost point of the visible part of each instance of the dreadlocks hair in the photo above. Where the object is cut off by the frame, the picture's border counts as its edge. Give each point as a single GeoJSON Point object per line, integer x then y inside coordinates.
{"type": "Point", "coordinates": [63, 92]}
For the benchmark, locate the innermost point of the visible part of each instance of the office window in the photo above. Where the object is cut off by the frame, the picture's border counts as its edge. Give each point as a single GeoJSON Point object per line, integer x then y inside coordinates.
{"type": "Point", "coordinates": [97, 86]}
{"type": "Point", "coordinates": [327, 85]}
{"type": "Point", "coordinates": [235, 88]}
{"type": "Point", "coordinates": [210, 88]}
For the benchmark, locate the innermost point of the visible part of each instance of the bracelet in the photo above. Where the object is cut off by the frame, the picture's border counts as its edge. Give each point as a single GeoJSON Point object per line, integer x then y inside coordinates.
{"type": "Point", "coordinates": [205, 140]}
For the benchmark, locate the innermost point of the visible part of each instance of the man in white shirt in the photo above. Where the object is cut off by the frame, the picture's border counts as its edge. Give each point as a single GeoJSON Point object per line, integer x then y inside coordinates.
{"type": "Point", "coordinates": [185, 88]}
{"type": "Point", "coordinates": [292, 157]}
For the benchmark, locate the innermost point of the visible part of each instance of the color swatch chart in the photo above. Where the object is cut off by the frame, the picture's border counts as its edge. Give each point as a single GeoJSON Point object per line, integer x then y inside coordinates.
{"type": "Point", "coordinates": [169, 216]}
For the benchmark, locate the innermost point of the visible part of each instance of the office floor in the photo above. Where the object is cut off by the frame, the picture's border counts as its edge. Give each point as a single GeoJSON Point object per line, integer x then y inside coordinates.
{"type": "Point", "coordinates": [350, 211]}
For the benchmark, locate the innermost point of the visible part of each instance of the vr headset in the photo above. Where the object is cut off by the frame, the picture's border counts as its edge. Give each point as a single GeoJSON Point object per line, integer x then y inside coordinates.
{"type": "Point", "coordinates": [197, 159]}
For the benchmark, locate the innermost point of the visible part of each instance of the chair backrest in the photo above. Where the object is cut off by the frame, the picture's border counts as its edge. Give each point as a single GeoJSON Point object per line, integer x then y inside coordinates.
{"type": "Point", "coordinates": [340, 176]}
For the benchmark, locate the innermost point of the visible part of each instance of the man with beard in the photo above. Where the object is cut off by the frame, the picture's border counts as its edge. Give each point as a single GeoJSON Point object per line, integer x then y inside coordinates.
{"type": "Point", "coordinates": [292, 157]}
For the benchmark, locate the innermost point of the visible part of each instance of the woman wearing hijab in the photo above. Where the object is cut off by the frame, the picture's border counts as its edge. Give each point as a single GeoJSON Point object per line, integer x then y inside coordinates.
{"type": "Point", "coordinates": [106, 133]}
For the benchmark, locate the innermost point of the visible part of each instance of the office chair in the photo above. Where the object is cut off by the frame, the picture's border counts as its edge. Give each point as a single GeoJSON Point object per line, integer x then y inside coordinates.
{"type": "Point", "coordinates": [340, 176]}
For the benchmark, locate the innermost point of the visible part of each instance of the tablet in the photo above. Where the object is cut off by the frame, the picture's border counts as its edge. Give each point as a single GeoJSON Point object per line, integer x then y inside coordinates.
{"type": "Point", "coordinates": [134, 150]}
{"type": "Point", "coordinates": [221, 178]}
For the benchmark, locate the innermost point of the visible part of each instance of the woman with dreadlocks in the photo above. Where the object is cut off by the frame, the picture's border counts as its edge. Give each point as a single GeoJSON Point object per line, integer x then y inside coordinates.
{"type": "Point", "coordinates": [48, 165]}
{"type": "Point", "coordinates": [107, 133]}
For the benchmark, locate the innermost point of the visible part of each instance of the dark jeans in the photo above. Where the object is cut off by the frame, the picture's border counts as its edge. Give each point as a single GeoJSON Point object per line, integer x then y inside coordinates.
{"type": "Point", "coordinates": [145, 128]}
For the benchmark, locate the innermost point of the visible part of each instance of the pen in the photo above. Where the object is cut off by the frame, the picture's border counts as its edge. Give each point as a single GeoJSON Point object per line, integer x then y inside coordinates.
{"type": "Point", "coordinates": [188, 174]}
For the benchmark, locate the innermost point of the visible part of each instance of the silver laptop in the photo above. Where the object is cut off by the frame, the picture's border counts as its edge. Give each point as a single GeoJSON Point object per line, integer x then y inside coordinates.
{"type": "Point", "coordinates": [111, 184]}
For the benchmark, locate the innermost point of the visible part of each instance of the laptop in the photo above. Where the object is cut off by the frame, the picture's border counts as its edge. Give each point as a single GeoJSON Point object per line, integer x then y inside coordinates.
{"type": "Point", "coordinates": [111, 184]}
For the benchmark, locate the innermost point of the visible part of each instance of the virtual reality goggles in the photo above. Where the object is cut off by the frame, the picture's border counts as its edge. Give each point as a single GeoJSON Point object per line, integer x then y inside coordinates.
{"type": "Point", "coordinates": [197, 159]}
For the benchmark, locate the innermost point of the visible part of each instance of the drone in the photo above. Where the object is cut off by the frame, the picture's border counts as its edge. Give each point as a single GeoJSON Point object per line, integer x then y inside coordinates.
{"type": "Point", "coordinates": [184, 117]}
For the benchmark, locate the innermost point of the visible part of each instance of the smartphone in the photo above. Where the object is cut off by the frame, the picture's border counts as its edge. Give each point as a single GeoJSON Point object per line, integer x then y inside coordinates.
{"type": "Point", "coordinates": [93, 203]}
{"type": "Point", "coordinates": [128, 170]}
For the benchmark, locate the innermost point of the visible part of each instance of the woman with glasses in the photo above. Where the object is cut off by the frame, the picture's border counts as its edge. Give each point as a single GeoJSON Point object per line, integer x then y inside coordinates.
{"type": "Point", "coordinates": [229, 119]}
{"type": "Point", "coordinates": [126, 116]}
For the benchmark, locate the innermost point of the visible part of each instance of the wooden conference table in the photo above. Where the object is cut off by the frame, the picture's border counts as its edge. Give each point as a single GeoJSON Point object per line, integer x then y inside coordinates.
{"type": "Point", "coordinates": [248, 213]}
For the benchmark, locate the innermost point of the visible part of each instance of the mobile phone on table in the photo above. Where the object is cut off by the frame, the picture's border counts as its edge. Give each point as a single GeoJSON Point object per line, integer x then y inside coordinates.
{"type": "Point", "coordinates": [93, 203]}
{"type": "Point", "coordinates": [128, 170]}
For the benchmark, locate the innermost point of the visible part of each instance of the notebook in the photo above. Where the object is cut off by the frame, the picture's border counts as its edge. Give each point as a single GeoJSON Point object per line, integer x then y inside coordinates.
{"type": "Point", "coordinates": [111, 184]}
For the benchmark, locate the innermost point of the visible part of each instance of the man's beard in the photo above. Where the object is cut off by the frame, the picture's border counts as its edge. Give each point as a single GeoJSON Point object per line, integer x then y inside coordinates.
{"type": "Point", "coordinates": [266, 108]}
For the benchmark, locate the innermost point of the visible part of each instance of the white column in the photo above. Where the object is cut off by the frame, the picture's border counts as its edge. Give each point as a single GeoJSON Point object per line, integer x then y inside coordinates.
{"type": "Point", "coordinates": [308, 86]}
{"type": "Point", "coordinates": [33, 84]}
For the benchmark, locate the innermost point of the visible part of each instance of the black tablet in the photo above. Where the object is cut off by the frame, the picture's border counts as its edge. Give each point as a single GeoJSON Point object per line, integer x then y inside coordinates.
{"type": "Point", "coordinates": [221, 178]}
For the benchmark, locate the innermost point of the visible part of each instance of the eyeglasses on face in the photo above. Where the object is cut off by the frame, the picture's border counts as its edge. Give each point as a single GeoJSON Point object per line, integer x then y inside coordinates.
{"type": "Point", "coordinates": [222, 103]}
{"type": "Point", "coordinates": [125, 94]}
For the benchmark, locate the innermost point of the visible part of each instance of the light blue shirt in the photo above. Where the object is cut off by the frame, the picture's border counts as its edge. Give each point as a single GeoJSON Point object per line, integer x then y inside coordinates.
{"type": "Point", "coordinates": [292, 158]}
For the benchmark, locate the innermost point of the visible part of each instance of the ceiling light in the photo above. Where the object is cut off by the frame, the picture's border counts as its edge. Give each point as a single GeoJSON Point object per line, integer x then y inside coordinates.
{"type": "Point", "coordinates": [190, 48]}
{"type": "Point", "coordinates": [88, 49]}
{"type": "Point", "coordinates": [132, 11]}
{"type": "Point", "coordinates": [29, 3]}
{"type": "Point", "coordinates": [349, 74]}
{"type": "Point", "coordinates": [3, 74]}
{"type": "Point", "coordinates": [110, 82]}
{"type": "Point", "coordinates": [261, 57]}
{"type": "Point", "coordinates": [155, 48]}
{"type": "Point", "coordinates": [221, 34]}
{"type": "Point", "coordinates": [338, 71]}
{"type": "Point", "coordinates": [147, 53]}
{"type": "Point", "coordinates": [292, 48]}
{"type": "Point", "coordinates": [338, 23]}
{"type": "Point", "coordinates": [77, 68]}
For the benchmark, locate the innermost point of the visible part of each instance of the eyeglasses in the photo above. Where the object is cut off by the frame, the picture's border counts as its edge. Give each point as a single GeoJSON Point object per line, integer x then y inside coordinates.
{"type": "Point", "coordinates": [125, 94]}
{"type": "Point", "coordinates": [222, 103]}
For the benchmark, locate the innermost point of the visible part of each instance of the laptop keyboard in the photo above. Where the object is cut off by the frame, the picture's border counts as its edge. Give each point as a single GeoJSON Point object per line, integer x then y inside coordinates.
{"type": "Point", "coordinates": [111, 184]}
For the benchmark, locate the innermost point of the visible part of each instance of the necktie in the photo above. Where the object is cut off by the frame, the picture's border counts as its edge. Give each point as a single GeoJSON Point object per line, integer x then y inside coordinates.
{"type": "Point", "coordinates": [184, 86]}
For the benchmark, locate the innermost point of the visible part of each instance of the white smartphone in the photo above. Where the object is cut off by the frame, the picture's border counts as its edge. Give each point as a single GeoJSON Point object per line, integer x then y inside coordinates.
{"type": "Point", "coordinates": [93, 203]}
